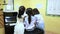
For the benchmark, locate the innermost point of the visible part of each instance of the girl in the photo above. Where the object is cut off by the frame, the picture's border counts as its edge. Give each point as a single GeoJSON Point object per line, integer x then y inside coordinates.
{"type": "Point", "coordinates": [29, 22]}
{"type": "Point", "coordinates": [19, 27]}
{"type": "Point", "coordinates": [39, 20]}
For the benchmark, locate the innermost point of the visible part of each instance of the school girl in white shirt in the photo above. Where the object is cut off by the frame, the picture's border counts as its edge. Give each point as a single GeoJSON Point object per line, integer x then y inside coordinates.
{"type": "Point", "coordinates": [39, 20]}
{"type": "Point", "coordinates": [29, 22]}
{"type": "Point", "coordinates": [19, 27]}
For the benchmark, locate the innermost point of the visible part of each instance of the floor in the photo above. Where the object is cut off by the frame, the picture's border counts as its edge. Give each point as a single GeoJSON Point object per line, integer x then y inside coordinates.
{"type": "Point", "coordinates": [49, 32]}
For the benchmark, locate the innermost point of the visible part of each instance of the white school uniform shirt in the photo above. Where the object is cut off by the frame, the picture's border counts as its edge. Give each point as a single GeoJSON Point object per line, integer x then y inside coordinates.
{"type": "Point", "coordinates": [29, 27]}
{"type": "Point", "coordinates": [19, 27]}
{"type": "Point", "coordinates": [25, 14]}
{"type": "Point", "coordinates": [39, 21]}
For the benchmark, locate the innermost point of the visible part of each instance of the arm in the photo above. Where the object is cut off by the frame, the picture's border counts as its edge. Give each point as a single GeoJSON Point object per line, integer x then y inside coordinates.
{"type": "Point", "coordinates": [25, 23]}
{"type": "Point", "coordinates": [40, 22]}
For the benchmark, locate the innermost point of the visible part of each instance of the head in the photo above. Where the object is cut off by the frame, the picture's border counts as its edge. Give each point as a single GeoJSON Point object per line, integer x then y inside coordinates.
{"type": "Point", "coordinates": [22, 8]}
{"type": "Point", "coordinates": [29, 13]}
{"type": "Point", "coordinates": [21, 11]}
{"type": "Point", "coordinates": [35, 11]}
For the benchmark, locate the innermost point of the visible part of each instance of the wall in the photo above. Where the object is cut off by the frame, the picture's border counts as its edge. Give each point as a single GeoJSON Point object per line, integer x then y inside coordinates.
{"type": "Point", "coordinates": [2, 31]}
{"type": "Point", "coordinates": [1, 2]}
{"type": "Point", "coordinates": [20, 3]}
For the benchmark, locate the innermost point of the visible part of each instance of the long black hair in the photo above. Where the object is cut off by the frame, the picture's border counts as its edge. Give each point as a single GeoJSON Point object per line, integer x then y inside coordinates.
{"type": "Point", "coordinates": [21, 11]}
{"type": "Point", "coordinates": [35, 11]}
{"type": "Point", "coordinates": [29, 13]}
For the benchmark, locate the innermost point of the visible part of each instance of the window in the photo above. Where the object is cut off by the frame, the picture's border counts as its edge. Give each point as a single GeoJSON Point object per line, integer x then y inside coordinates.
{"type": "Point", "coordinates": [53, 7]}
{"type": "Point", "coordinates": [9, 6]}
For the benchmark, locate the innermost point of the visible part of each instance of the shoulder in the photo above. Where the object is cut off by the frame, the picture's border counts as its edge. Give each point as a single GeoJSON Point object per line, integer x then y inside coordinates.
{"type": "Point", "coordinates": [33, 18]}
{"type": "Point", "coordinates": [38, 15]}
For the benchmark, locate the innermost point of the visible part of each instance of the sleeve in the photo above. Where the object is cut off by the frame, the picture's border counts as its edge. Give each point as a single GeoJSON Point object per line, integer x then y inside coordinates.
{"type": "Point", "coordinates": [40, 22]}
{"type": "Point", "coordinates": [25, 23]}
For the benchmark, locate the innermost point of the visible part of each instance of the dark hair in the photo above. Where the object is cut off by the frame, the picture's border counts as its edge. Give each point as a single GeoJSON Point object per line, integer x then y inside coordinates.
{"type": "Point", "coordinates": [29, 13]}
{"type": "Point", "coordinates": [22, 8]}
{"type": "Point", "coordinates": [35, 11]}
{"type": "Point", "coordinates": [21, 11]}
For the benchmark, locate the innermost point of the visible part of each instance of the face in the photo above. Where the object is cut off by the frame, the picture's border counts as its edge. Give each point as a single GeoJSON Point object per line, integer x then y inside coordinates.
{"type": "Point", "coordinates": [22, 8]}
{"type": "Point", "coordinates": [29, 11]}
